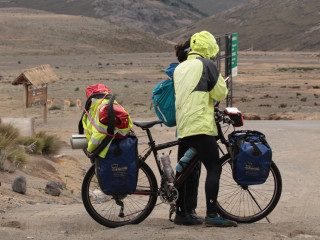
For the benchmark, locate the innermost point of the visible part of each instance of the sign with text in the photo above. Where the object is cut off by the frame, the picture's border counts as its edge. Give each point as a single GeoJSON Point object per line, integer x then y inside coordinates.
{"type": "Point", "coordinates": [36, 95]}
{"type": "Point", "coordinates": [234, 51]}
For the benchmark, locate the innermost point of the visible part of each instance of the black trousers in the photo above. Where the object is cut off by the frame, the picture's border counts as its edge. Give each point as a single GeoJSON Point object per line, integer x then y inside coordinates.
{"type": "Point", "coordinates": [191, 183]}
{"type": "Point", "coordinates": [207, 149]}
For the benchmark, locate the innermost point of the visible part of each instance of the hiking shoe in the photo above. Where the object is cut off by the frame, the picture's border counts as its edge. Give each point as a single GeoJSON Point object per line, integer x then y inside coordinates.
{"type": "Point", "coordinates": [186, 220]}
{"type": "Point", "coordinates": [193, 214]}
{"type": "Point", "coordinates": [219, 222]}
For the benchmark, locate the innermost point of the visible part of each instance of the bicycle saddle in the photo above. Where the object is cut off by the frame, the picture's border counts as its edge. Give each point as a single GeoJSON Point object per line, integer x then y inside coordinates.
{"type": "Point", "coordinates": [144, 124]}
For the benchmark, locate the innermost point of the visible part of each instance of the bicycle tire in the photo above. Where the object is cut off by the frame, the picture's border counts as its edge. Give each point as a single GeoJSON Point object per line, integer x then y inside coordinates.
{"type": "Point", "coordinates": [104, 208]}
{"type": "Point", "coordinates": [248, 203]}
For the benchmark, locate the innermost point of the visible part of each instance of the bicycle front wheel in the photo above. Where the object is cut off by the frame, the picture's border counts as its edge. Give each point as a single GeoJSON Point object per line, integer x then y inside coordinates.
{"type": "Point", "coordinates": [118, 210]}
{"type": "Point", "coordinates": [248, 203]}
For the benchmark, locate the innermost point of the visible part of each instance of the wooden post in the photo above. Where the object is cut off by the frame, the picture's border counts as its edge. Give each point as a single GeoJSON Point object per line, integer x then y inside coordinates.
{"type": "Point", "coordinates": [25, 86]}
{"type": "Point", "coordinates": [45, 107]}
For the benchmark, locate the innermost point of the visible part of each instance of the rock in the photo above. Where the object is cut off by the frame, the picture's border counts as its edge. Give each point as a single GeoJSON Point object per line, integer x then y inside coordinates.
{"type": "Point", "coordinates": [61, 185]}
{"type": "Point", "coordinates": [53, 188]}
{"type": "Point", "coordinates": [83, 169]}
{"type": "Point", "coordinates": [19, 185]}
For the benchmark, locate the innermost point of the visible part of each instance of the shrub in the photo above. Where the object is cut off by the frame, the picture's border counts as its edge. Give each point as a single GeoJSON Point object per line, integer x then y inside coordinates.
{"type": "Point", "coordinates": [283, 105]}
{"type": "Point", "coordinates": [54, 108]}
{"type": "Point", "coordinates": [17, 157]}
{"type": "Point", "coordinates": [264, 105]}
{"type": "Point", "coordinates": [243, 99]}
{"type": "Point", "coordinates": [51, 143]}
{"type": "Point", "coordinates": [8, 135]}
{"type": "Point", "coordinates": [9, 140]}
{"type": "Point", "coordinates": [38, 143]}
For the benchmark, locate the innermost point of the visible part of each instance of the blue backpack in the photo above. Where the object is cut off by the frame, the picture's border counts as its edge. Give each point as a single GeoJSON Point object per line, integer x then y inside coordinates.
{"type": "Point", "coordinates": [164, 99]}
{"type": "Point", "coordinates": [251, 157]}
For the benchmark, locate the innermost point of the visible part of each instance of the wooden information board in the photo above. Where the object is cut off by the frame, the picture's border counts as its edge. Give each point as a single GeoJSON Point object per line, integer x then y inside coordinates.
{"type": "Point", "coordinates": [36, 95]}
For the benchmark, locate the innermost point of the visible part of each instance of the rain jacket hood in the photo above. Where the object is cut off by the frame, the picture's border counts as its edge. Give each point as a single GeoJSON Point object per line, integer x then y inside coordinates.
{"type": "Point", "coordinates": [204, 44]}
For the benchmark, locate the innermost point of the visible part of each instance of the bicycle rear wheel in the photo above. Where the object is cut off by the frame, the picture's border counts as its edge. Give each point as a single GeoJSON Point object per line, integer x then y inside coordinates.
{"type": "Point", "coordinates": [248, 203]}
{"type": "Point", "coordinates": [119, 210]}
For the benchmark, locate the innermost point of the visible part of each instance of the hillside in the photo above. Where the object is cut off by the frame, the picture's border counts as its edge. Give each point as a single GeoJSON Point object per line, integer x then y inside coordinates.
{"type": "Point", "coordinates": [268, 25]}
{"type": "Point", "coordinates": [211, 7]}
{"type": "Point", "coordinates": [27, 31]}
{"type": "Point", "coordinates": [153, 16]}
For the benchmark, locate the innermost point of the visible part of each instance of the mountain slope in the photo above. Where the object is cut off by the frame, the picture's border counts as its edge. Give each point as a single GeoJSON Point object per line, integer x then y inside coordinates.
{"type": "Point", "coordinates": [292, 25]}
{"type": "Point", "coordinates": [211, 7]}
{"type": "Point", "coordinates": [28, 31]}
{"type": "Point", "coordinates": [154, 16]}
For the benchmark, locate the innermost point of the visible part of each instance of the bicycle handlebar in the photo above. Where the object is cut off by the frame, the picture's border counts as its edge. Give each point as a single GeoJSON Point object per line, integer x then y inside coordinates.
{"type": "Point", "coordinates": [221, 116]}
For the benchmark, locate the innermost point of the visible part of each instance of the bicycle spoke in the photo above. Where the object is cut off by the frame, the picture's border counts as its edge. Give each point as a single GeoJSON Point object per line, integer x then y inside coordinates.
{"type": "Point", "coordinates": [118, 210]}
{"type": "Point", "coordinates": [247, 203]}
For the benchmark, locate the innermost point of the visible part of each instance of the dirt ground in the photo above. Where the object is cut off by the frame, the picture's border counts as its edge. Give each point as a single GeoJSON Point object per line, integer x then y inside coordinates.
{"type": "Point", "coordinates": [269, 85]}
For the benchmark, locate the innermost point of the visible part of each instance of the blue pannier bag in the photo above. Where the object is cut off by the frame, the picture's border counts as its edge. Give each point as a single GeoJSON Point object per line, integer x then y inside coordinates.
{"type": "Point", "coordinates": [117, 173]}
{"type": "Point", "coordinates": [251, 157]}
{"type": "Point", "coordinates": [164, 99]}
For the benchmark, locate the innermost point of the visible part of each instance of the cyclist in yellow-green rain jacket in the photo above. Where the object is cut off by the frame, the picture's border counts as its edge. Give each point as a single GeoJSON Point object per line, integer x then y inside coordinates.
{"type": "Point", "coordinates": [198, 83]}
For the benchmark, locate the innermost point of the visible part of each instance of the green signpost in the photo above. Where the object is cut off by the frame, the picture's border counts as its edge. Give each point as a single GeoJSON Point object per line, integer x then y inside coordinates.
{"type": "Point", "coordinates": [230, 57]}
{"type": "Point", "coordinates": [234, 52]}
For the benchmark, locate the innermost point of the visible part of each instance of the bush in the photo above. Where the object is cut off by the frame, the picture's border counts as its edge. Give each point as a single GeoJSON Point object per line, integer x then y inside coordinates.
{"type": "Point", "coordinates": [38, 144]}
{"type": "Point", "coordinates": [8, 135]}
{"type": "Point", "coordinates": [17, 157]}
{"type": "Point", "coordinates": [54, 108]}
{"type": "Point", "coordinates": [43, 144]}
{"type": "Point", "coordinates": [9, 140]}
{"type": "Point", "coordinates": [282, 105]}
{"type": "Point", "coordinates": [51, 143]}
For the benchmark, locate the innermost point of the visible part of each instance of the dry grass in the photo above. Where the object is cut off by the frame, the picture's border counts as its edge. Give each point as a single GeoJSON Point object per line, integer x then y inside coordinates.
{"type": "Point", "coordinates": [11, 156]}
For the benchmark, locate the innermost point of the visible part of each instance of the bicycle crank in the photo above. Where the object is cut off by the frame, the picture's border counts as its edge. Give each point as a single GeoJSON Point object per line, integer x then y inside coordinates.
{"type": "Point", "coordinates": [168, 194]}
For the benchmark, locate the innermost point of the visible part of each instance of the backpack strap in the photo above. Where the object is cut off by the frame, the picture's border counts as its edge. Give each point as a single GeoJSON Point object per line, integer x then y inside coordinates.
{"type": "Point", "coordinates": [255, 150]}
{"type": "Point", "coordinates": [87, 106]}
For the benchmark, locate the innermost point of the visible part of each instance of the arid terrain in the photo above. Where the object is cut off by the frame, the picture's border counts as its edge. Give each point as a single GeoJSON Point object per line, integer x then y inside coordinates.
{"type": "Point", "coordinates": [270, 85]}
{"type": "Point", "coordinates": [286, 84]}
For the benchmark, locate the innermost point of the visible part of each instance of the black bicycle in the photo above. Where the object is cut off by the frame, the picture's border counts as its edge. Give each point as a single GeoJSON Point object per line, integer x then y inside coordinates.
{"type": "Point", "coordinates": [241, 203]}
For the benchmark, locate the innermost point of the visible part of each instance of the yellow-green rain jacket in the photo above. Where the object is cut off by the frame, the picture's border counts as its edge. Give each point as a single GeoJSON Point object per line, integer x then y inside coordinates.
{"type": "Point", "coordinates": [197, 83]}
{"type": "Point", "coordinates": [96, 131]}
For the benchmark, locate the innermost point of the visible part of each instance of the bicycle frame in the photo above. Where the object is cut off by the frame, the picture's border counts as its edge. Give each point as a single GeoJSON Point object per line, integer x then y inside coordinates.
{"type": "Point", "coordinates": [154, 148]}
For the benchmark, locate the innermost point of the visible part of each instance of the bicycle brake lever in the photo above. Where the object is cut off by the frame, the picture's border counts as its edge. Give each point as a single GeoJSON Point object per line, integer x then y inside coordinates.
{"type": "Point", "coordinates": [228, 120]}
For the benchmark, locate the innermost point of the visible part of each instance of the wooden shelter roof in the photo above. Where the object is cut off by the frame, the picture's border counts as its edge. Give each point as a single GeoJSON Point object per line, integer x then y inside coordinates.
{"type": "Point", "coordinates": [36, 76]}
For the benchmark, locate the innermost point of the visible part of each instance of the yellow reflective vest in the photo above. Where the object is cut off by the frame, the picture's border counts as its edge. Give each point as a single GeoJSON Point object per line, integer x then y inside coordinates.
{"type": "Point", "coordinates": [96, 131]}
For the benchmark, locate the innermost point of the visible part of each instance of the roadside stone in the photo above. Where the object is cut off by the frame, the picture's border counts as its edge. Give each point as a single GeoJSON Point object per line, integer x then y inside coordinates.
{"type": "Point", "coordinates": [53, 188]}
{"type": "Point", "coordinates": [83, 169]}
{"type": "Point", "coordinates": [19, 185]}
